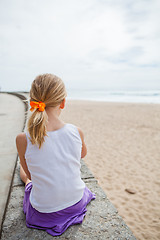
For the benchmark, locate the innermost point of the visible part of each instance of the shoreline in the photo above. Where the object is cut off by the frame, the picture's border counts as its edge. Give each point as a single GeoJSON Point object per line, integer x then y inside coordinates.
{"type": "Point", "coordinates": [109, 102]}
{"type": "Point", "coordinates": [68, 98]}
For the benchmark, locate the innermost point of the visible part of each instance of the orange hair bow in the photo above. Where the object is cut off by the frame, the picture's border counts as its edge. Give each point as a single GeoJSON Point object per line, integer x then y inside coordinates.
{"type": "Point", "coordinates": [37, 105]}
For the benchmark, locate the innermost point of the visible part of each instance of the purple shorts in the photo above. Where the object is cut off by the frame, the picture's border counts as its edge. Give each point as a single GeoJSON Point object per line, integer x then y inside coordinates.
{"type": "Point", "coordinates": [55, 223]}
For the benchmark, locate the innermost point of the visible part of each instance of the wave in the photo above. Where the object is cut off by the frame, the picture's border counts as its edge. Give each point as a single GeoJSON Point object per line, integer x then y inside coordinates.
{"type": "Point", "coordinates": [116, 96]}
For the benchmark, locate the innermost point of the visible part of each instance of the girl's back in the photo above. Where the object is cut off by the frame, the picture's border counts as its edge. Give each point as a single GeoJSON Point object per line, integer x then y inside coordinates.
{"type": "Point", "coordinates": [55, 170]}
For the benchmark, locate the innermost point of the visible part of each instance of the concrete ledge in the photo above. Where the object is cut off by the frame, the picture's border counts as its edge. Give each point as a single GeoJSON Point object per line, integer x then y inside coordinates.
{"type": "Point", "coordinates": [101, 222]}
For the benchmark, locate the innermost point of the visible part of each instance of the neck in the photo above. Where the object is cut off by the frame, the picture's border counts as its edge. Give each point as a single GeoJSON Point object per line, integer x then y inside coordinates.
{"type": "Point", "coordinates": [53, 112]}
{"type": "Point", "coordinates": [53, 118]}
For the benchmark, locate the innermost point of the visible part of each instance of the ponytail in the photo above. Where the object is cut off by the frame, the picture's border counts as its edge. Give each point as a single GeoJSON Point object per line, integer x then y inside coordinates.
{"type": "Point", "coordinates": [37, 127]}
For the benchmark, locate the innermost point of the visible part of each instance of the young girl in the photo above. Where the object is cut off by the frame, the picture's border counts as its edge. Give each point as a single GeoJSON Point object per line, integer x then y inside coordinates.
{"type": "Point", "coordinates": [50, 152]}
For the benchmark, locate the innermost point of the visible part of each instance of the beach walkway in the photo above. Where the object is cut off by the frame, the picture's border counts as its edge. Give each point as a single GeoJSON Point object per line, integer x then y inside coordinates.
{"type": "Point", "coordinates": [102, 220]}
{"type": "Point", "coordinates": [11, 123]}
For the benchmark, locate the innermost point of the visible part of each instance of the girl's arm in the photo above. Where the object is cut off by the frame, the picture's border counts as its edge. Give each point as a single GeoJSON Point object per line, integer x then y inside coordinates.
{"type": "Point", "coordinates": [21, 143]}
{"type": "Point", "coordinates": [84, 148]}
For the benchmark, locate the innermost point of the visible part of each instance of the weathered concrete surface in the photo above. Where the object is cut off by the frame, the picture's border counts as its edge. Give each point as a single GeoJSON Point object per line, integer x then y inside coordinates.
{"type": "Point", "coordinates": [101, 222]}
{"type": "Point", "coordinates": [11, 123]}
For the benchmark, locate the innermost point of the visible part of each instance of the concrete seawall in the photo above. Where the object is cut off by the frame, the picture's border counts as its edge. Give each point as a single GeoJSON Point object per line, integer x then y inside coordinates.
{"type": "Point", "coordinates": [101, 222]}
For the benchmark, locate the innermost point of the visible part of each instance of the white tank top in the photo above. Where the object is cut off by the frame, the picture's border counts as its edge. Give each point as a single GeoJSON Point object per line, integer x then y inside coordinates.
{"type": "Point", "coordinates": [55, 170]}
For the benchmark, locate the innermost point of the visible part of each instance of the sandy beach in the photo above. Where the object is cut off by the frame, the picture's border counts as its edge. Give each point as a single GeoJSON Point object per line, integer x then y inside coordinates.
{"type": "Point", "coordinates": [123, 142]}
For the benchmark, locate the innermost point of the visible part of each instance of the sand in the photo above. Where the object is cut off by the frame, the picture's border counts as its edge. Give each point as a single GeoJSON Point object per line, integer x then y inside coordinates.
{"type": "Point", "coordinates": [123, 141]}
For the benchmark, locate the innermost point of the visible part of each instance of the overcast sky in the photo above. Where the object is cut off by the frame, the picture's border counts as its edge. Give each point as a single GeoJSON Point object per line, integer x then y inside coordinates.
{"type": "Point", "coordinates": [98, 44]}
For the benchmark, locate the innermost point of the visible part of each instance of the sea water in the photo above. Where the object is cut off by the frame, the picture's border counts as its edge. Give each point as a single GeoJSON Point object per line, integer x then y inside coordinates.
{"type": "Point", "coordinates": [143, 96]}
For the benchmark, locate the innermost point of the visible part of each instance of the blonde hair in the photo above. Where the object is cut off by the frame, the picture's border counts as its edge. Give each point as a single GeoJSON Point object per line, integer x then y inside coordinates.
{"type": "Point", "coordinates": [50, 90]}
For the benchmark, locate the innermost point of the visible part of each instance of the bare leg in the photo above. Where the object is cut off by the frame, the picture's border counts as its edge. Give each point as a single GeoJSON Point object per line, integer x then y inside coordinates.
{"type": "Point", "coordinates": [23, 176]}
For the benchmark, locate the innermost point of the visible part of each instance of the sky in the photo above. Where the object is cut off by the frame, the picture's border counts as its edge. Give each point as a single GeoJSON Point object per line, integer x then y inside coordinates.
{"type": "Point", "coordinates": [90, 44]}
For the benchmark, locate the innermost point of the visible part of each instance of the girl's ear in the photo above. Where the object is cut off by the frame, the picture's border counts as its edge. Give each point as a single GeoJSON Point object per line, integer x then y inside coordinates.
{"type": "Point", "coordinates": [62, 105]}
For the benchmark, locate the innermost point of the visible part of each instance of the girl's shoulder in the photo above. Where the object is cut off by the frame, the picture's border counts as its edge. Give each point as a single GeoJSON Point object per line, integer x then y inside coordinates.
{"type": "Point", "coordinates": [21, 137]}
{"type": "Point", "coordinates": [21, 142]}
{"type": "Point", "coordinates": [78, 129]}
{"type": "Point", "coordinates": [72, 126]}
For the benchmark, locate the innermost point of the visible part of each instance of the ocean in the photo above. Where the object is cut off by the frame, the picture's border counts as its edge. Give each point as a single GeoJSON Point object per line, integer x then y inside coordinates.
{"type": "Point", "coordinates": [152, 96]}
